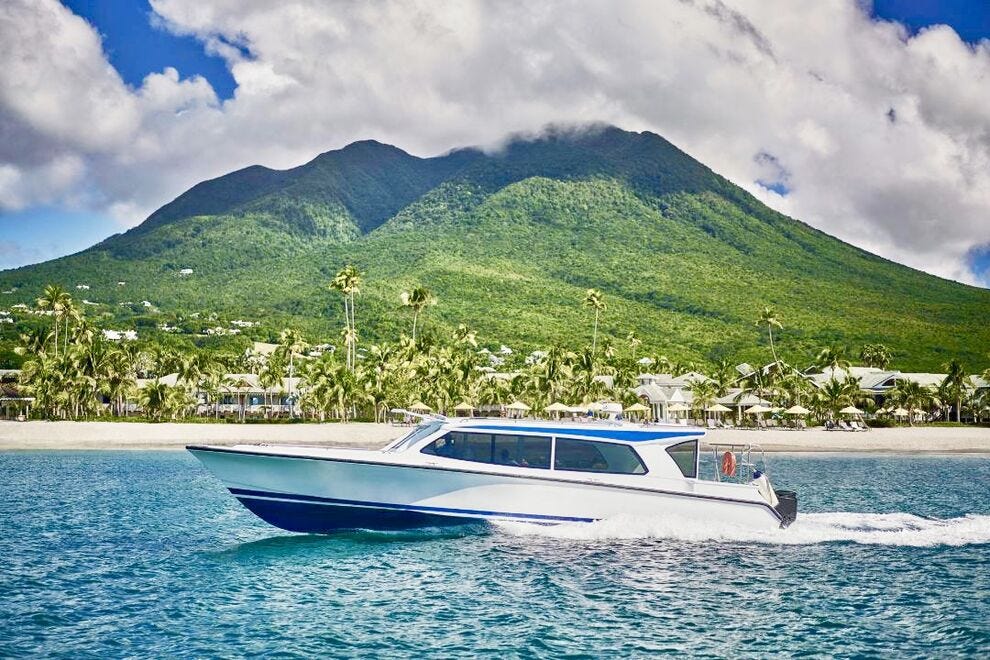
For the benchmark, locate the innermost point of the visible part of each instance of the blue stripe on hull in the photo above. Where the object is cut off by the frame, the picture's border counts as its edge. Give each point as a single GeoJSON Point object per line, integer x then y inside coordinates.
{"type": "Point", "coordinates": [312, 518]}
{"type": "Point", "coordinates": [315, 514]}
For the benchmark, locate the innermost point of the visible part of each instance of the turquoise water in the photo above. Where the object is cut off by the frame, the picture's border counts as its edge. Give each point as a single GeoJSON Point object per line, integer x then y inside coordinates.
{"type": "Point", "coordinates": [144, 554]}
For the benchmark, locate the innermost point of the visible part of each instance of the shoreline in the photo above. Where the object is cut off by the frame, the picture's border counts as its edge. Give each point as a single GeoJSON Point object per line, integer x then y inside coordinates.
{"type": "Point", "coordinates": [69, 436]}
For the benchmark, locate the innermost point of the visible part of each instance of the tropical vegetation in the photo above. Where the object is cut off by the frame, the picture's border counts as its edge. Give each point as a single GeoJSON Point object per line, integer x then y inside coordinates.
{"type": "Point", "coordinates": [74, 372]}
{"type": "Point", "coordinates": [507, 241]}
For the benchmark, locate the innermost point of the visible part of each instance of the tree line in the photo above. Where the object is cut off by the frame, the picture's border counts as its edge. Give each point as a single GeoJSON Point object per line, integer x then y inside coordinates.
{"type": "Point", "coordinates": [73, 372]}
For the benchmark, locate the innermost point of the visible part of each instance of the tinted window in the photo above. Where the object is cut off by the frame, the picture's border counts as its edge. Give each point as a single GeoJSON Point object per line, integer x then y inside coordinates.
{"type": "Point", "coordinates": [685, 455]}
{"type": "Point", "coordinates": [515, 450]}
{"type": "Point", "coordinates": [523, 451]}
{"type": "Point", "coordinates": [591, 456]}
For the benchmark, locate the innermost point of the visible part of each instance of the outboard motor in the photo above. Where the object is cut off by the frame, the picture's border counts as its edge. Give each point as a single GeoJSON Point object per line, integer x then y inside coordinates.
{"type": "Point", "coordinates": [786, 506]}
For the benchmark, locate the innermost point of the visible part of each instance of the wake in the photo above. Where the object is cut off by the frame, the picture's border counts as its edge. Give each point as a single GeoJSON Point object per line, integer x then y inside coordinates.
{"type": "Point", "coordinates": [891, 529]}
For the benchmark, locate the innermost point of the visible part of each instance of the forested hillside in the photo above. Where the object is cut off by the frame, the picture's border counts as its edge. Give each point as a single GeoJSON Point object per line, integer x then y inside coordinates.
{"type": "Point", "coordinates": [509, 242]}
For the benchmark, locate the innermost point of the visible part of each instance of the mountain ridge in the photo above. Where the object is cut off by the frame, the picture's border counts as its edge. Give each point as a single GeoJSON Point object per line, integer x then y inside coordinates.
{"type": "Point", "coordinates": [685, 257]}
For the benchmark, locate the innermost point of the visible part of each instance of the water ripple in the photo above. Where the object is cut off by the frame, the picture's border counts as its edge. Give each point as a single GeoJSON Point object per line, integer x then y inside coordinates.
{"type": "Point", "coordinates": [143, 554]}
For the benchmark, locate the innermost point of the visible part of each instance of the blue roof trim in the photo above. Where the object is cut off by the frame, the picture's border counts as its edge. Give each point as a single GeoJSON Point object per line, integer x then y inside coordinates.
{"type": "Point", "coordinates": [606, 434]}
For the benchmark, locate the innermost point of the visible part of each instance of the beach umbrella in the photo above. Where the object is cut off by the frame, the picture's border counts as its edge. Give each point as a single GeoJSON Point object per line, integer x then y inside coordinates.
{"type": "Point", "coordinates": [851, 410]}
{"type": "Point", "coordinates": [718, 408]}
{"type": "Point", "coordinates": [556, 408]}
{"type": "Point", "coordinates": [637, 410]}
{"type": "Point", "coordinates": [464, 406]}
{"type": "Point", "coordinates": [678, 407]}
{"type": "Point", "coordinates": [756, 410]}
{"type": "Point", "coordinates": [900, 412]}
{"type": "Point", "coordinates": [797, 410]}
{"type": "Point", "coordinates": [518, 405]}
{"type": "Point", "coordinates": [419, 406]}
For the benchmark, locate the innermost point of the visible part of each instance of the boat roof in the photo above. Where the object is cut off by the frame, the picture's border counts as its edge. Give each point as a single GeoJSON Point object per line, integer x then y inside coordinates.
{"type": "Point", "coordinates": [616, 431]}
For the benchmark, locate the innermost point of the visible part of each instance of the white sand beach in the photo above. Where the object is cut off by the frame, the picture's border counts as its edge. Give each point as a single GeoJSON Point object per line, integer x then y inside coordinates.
{"type": "Point", "coordinates": [121, 435]}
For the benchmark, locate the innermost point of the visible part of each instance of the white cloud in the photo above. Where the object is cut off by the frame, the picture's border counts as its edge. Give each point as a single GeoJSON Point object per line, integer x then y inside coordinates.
{"type": "Point", "coordinates": [882, 138]}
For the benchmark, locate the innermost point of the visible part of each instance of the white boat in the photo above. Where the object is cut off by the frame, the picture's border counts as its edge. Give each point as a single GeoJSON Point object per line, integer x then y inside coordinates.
{"type": "Point", "coordinates": [465, 470]}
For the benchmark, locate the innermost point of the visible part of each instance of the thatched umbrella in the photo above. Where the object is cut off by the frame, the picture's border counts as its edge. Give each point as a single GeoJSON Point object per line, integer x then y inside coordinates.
{"type": "Point", "coordinates": [464, 407]}
{"type": "Point", "coordinates": [637, 409]}
{"type": "Point", "coordinates": [518, 407]}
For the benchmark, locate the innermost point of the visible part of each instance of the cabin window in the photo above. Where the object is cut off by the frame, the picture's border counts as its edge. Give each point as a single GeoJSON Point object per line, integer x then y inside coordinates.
{"type": "Point", "coordinates": [522, 451]}
{"type": "Point", "coordinates": [685, 455]}
{"type": "Point", "coordinates": [514, 450]}
{"type": "Point", "coordinates": [591, 456]}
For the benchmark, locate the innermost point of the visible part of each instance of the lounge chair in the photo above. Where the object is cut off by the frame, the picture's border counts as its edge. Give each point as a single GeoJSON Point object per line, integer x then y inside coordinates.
{"type": "Point", "coordinates": [844, 426]}
{"type": "Point", "coordinates": [712, 424]}
{"type": "Point", "coordinates": [859, 426]}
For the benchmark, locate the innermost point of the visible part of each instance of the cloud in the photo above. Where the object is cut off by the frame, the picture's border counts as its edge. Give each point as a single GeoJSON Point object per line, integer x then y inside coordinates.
{"type": "Point", "coordinates": [852, 125]}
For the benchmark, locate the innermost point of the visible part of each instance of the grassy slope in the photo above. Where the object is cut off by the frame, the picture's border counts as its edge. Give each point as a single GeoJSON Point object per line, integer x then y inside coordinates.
{"type": "Point", "coordinates": [509, 244]}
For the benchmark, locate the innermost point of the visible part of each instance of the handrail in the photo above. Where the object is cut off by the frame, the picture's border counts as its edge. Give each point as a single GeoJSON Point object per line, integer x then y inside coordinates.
{"type": "Point", "coordinates": [746, 449]}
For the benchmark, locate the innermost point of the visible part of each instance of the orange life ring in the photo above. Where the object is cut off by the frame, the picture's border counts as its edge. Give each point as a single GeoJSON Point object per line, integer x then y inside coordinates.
{"type": "Point", "coordinates": [729, 464]}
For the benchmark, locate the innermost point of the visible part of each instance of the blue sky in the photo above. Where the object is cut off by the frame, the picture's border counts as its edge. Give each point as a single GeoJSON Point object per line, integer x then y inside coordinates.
{"type": "Point", "coordinates": [135, 47]}
{"type": "Point", "coordinates": [969, 18]}
{"type": "Point", "coordinates": [277, 126]}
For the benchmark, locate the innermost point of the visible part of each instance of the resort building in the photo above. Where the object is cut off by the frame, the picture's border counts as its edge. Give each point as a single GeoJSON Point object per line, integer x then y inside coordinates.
{"type": "Point", "coordinates": [662, 392]}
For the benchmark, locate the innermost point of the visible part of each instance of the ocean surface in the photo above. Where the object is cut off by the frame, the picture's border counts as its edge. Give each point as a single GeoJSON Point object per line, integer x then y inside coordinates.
{"type": "Point", "coordinates": [144, 554]}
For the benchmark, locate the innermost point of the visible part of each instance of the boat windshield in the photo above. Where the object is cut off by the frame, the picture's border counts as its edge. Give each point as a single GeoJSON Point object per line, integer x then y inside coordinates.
{"type": "Point", "coordinates": [414, 436]}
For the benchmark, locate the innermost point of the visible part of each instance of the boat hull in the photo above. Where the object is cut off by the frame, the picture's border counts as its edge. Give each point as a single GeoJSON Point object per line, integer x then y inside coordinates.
{"type": "Point", "coordinates": [325, 515]}
{"type": "Point", "coordinates": [325, 495]}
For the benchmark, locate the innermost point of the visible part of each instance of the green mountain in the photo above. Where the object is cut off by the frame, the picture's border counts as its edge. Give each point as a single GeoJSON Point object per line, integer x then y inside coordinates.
{"type": "Point", "coordinates": [509, 242]}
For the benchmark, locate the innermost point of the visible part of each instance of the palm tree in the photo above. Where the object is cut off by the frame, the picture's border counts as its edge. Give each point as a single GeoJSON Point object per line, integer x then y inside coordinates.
{"type": "Point", "coordinates": [156, 400]}
{"type": "Point", "coordinates": [291, 343]}
{"type": "Point", "coordinates": [270, 378]}
{"type": "Point", "coordinates": [56, 300]}
{"type": "Point", "coordinates": [595, 299]}
{"type": "Point", "coordinates": [634, 343]}
{"type": "Point", "coordinates": [724, 375]}
{"type": "Point", "coordinates": [212, 386]}
{"type": "Point", "coordinates": [70, 313]}
{"type": "Point", "coordinates": [188, 371]}
{"type": "Point", "coordinates": [955, 384]}
{"type": "Point", "coordinates": [875, 355]}
{"type": "Point", "coordinates": [769, 318]}
{"type": "Point", "coordinates": [32, 342]}
{"type": "Point", "coordinates": [833, 358]}
{"type": "Point", "coordinates": [348, 283]}
{"type": "Point", "coordinates": [703, 392]}
{"type": "Point", "coordinates": [834, 395]}
{"type": "Point", "coordinates": [911, 395]}
{"type": "Point", "coordinates": [793, 387]}
{"type": "Point", "coordinates": [349, 338]}
{"type": "Point", "coordinates": [418, 299]}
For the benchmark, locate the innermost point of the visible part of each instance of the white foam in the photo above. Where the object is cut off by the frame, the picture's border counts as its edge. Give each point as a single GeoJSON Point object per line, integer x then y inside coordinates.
{"type": "Point", "coordinates": [867, 528]}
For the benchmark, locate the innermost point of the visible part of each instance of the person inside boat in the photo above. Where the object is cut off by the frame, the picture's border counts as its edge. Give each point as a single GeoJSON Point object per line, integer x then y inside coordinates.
{"type": "Point", "coordinates": [505, 459]}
